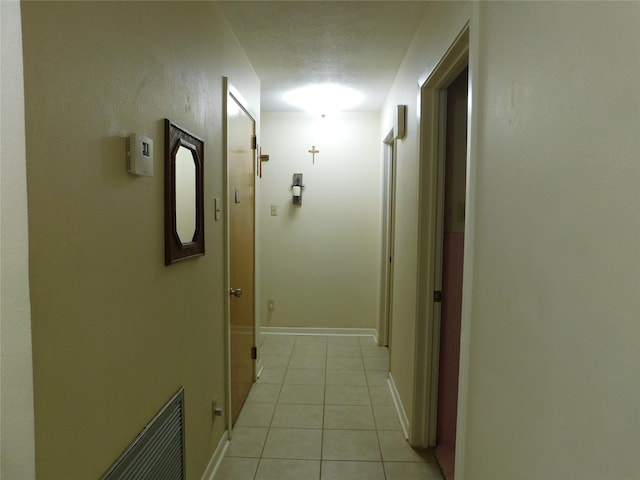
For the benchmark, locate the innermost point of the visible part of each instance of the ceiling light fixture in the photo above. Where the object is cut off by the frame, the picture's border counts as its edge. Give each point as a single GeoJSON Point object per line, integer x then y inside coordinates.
{"type": "Point", "coordinates": [324, 99]}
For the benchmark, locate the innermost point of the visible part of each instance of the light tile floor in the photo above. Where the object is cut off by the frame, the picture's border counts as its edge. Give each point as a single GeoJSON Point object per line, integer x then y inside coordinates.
{"type": "Point", "coordinates": [322, 410]}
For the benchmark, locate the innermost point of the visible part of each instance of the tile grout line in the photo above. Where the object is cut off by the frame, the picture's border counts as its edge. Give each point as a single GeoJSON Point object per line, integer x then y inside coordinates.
{"type": "Point", "coordinates": [324, 406]}
{"type": "Point", "coordinates": [384, 473]}
{"type": "Point", "coordinates": [384, 470]}
{"type": "Point", "coordinates": [255, 475]}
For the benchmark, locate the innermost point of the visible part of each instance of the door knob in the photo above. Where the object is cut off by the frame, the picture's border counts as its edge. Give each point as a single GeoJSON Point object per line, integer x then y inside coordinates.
{"type": "Point", "coordinates": [236, 292]}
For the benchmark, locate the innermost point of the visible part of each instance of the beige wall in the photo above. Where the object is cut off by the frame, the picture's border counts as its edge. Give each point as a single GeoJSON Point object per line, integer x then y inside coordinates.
{"type": "Point", "coordinates": [18, 459]}
{"type": "Point", "coordinates": [551, 383]}
{"type": "Point", "coordinates": [115, 332]}
{"type": "Point", "coordinates": [320, 260]}
{"type": "Point", "coordinates": [554, 370]}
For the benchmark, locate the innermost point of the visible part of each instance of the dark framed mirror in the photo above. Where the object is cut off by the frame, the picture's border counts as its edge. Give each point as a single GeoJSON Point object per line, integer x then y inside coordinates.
{"type": "Point", "coordinates": [183, 194]}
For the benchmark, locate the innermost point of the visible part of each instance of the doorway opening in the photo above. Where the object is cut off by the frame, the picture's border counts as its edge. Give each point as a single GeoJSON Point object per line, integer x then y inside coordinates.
{"type": "Point", "coordinates": [444, 104]}
{"type": "Point", "coordinates": [388, 229]}
{"type": "Point", "coordinates": [451, 244]}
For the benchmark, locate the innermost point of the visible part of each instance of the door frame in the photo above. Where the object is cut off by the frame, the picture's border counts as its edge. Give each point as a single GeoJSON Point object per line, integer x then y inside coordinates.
{"type": "Point", "coordinates": [432, 101]}
{"type": "Point", "coordinates": [388, 235]}
{"type": "Point", "coordinates": [229, 89]}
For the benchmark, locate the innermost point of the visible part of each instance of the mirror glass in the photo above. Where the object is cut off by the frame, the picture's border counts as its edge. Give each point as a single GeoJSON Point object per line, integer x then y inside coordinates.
{"type": "Point", "coordinates": [185, 195]}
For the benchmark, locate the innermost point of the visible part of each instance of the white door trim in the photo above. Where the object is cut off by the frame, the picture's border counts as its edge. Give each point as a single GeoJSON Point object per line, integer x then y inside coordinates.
{"type": "Point", "coordinates": [469, 240]}
{"type": "Point", "coordinates": [432, 86]}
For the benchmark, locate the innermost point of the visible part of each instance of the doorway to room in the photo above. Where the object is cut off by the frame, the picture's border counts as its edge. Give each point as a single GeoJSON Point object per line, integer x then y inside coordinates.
{"type": "Point", "coordinates": [388, 229]}
{"type": "Point", "coordinates": [451, 244]}
{"type": "Point", "coordinates": [444, 103]}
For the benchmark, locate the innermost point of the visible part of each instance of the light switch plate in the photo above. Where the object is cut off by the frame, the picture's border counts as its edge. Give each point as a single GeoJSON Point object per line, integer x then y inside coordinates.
{"type": "Point", "coordinates": [274, 210]}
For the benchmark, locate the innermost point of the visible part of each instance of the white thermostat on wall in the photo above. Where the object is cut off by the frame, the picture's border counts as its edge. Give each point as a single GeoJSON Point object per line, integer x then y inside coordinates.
{"type": "Point", "coordinates": [140, 155]}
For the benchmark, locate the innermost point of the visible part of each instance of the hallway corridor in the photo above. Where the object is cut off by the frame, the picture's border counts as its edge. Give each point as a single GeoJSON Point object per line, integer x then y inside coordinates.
{"type": "Point", "coordinates": [322, 410]}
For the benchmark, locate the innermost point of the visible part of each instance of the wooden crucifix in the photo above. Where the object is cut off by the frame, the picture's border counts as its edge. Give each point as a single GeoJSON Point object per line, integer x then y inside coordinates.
{"type": "Point", "coordinates": [313, 152]}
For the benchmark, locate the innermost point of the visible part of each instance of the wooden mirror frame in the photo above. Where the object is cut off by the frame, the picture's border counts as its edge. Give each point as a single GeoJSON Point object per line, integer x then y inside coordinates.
{"type": "Point", "coordinates": [174, 249]}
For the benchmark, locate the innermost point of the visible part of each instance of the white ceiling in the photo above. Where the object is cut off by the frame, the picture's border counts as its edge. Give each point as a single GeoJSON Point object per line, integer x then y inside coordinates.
{"type": "Point", "coordinates": [358, 44]}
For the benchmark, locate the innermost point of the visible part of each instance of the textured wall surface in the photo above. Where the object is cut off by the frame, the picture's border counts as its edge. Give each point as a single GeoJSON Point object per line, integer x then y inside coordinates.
{"type": "Point", "coordinates": [320, 260]}
{"type": "Point", "coordinates": [17, 378]}
{"type": "Point", "coordinates": [553, 379]}
{"type": "Point", "coordinates": [115, 331]}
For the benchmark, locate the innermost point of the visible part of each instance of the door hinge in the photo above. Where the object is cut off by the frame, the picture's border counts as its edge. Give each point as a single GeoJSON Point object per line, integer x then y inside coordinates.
{"type": "Point", "coordinates": [254, 353]}
{"type": "Point", "coordinates": [437, 296]}
{"type": "Point", "coordinates": [254, 142]}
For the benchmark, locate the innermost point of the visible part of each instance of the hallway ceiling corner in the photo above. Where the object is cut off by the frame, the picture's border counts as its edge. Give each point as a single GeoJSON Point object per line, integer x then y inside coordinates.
{"type": "Point", "coordinates": [357, 44]}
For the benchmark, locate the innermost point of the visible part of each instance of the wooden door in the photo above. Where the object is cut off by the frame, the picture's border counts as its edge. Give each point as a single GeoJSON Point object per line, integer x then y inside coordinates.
{"type": "Point", "coordinates": [241, 201]}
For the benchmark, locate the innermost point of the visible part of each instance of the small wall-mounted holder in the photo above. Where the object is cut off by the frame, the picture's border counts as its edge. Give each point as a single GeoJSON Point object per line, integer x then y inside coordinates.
{"type": "Point", "coordinates": [297, 188]}
{"type": "Point", "coordinates": [262, 158]}
{"type": "Point", "coordinates": [400, 121]}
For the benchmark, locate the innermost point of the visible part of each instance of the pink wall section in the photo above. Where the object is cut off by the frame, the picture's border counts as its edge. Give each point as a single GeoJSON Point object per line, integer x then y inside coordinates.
{"type": "Point", "coordinates": [452, 264]}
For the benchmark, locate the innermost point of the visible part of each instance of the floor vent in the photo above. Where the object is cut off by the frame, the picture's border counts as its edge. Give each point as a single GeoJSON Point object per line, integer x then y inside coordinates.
{"type": "Point", "coordinates": [158, 452]}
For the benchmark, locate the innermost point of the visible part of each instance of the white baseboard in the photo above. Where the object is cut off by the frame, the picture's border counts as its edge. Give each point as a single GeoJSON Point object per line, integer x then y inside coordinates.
{"type": "Point", "coordinates": [217, 457]}
{"type": "Point", "coordinates": [402, 414]}
{"type": "Point", "coordinates": [362, 332]}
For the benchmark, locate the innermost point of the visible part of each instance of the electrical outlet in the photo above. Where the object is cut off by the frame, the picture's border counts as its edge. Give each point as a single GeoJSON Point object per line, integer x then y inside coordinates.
{"type": "Point", "coordinates": [270, 306]}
